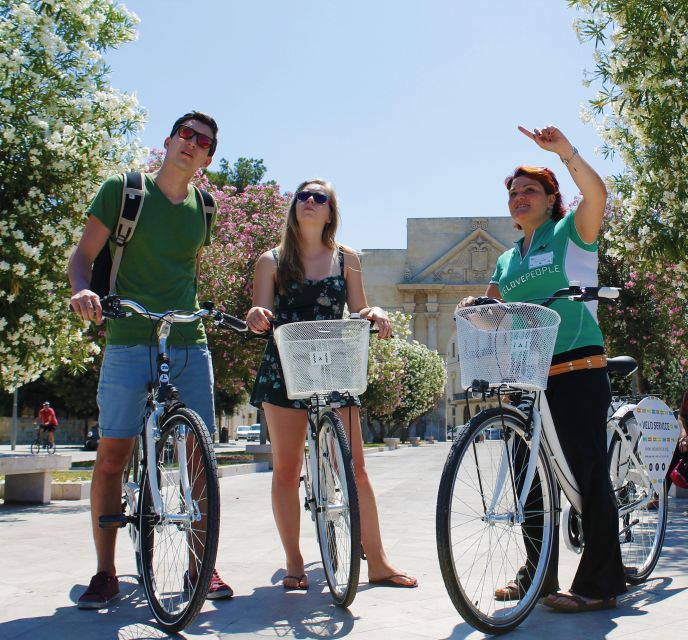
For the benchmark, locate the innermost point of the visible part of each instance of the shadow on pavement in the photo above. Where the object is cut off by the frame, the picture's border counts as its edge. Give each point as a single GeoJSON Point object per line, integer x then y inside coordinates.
{"type": "Point", "coordinates": [14, 512]}
{"type": "Point", "coordinates": [304, 614]}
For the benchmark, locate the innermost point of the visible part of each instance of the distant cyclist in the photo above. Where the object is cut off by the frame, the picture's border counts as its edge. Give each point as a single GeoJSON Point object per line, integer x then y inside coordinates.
{"type": "Point", "coordinates": [47, 421]}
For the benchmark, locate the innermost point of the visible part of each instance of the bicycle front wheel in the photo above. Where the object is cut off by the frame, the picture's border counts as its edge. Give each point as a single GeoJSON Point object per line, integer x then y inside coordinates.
{"type": "Point", "coordinates": [484, 539]}
{"type": "Point", "coordinates": [35, 447]}
{"type": "Point", "coordinates": [131, 488]}
{"type": "Point", "coordinates": [337, 515]}
{"type": "Point", "coordinates": [641, 526]}
{"type": "Point", "coordinates": [179, 546]}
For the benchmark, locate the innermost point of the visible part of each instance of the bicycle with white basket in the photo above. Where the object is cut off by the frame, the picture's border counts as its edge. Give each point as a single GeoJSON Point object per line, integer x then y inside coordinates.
{"type": "Point", "coordinates": [498, 501]}
{"type": "Point", "coordinates": [324, 362]}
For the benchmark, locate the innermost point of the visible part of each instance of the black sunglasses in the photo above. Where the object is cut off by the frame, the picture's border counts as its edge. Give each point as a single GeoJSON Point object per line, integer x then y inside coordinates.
{"type": "Point", "coordinates": [320, 198]}
{"type": "Point", "coordinates": [187, 133]}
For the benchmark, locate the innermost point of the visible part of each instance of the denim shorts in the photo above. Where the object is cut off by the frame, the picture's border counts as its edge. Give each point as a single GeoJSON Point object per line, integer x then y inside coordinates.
{"type": "Point", "coordinates": [124, 378]}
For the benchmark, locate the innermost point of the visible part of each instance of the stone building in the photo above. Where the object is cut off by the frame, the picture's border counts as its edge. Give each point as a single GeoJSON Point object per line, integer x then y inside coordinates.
{"type": "Point", "coordinates": [445, 260]}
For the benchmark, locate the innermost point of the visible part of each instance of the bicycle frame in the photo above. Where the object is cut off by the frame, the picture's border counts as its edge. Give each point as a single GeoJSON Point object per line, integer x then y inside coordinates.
{"type": "Point", "coordinates": [162, 396]}
{"type": "Point", "coordinates": [543, 434]}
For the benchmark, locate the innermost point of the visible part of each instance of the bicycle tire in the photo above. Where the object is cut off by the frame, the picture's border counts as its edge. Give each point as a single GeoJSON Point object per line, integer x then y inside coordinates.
{"type": "Point", "coordinates": [478, 551]}
{"type": "Point", "coordinates": [337, 515]}
{"type": "Point", "coordinates": [50, 448]}
{"type": "Point", "coordinates": [131, 488]}
{"type": "Point", "coordinates": [35, 447]}
{"type": "Point", "coordinates": [642, 529]}
{"type": "Point", "coordinates": [171, 553]}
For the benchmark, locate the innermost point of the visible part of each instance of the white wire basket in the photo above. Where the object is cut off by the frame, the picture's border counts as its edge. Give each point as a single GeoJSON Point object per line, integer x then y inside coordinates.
{"type": "Point", "coordinates": [506, 344]}
{"type": "Point", "coordinates": [322, 356]}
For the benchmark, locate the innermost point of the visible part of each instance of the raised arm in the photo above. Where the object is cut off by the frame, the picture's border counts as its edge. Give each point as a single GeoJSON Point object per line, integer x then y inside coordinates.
{"type": "Point", "coordinates": [85, 302]}
{"type": "Point", "coordinates": [590, 211]}
{"type": "Point", "coordinates": [259, 314]}
{"type": "Point", "coordinates": [356, 298]}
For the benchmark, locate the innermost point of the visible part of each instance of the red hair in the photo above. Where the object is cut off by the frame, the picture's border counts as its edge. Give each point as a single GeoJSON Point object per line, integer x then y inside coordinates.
{"type": "Point", "coordinates": [547, 179]}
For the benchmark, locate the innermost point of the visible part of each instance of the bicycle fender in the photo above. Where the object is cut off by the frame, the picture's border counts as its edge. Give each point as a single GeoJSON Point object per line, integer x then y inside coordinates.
{"type": "Point", "coordinates": [171, 409]}
{"type": "Point", "coordinates": [623, 411]}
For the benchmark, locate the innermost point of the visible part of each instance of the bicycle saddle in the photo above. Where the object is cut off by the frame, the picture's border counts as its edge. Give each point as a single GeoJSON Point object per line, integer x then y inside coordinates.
{"type": "Point", "coordinates": [624, 365]}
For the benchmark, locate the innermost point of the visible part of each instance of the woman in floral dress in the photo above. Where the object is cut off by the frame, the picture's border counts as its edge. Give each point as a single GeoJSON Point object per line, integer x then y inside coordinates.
{"type": "Point", "coordinates": [310, 277]}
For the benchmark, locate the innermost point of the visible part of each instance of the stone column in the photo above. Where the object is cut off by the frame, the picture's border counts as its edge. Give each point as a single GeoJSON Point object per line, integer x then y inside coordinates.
{"type": "Point", "coordinates": [432, 316]}
{"type": "Point", "coordinates": [410, 308]}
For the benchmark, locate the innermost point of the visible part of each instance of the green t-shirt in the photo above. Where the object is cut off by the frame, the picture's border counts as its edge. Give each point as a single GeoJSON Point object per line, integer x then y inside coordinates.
{"type": "Point", "coordinates": [158, 268]}
{"type": "Point", "coordinates": [556, 257]}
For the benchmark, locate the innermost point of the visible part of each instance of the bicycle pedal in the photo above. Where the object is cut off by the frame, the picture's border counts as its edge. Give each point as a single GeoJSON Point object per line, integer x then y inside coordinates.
{"type": "Point", "coordinates": [117, 521]}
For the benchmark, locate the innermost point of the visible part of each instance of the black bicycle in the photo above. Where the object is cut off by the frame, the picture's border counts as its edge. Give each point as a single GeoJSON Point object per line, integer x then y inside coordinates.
{"type": "Point", "coordinates": [39, 443]}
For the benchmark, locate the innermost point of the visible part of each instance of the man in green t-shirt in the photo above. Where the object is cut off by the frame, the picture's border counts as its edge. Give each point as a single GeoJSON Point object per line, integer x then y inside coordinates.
{"type": "Point", "coordinates": [159, 269]}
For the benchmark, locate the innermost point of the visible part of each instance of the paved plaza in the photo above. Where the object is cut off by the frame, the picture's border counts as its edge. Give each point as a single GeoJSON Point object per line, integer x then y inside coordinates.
{"type": "Point", "coordinates": [47, 558]}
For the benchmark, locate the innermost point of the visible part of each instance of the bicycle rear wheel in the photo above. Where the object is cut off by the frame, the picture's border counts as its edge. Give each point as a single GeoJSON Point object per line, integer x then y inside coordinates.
{"type": "Point", "coordinates": [482, 541]}
{"type": "Point", "coordinates": [179, 548]}
{"type": "Point", "coordinates": [50, 448]}
{"type": "Point", "coordinates": [641, 527]}
{"type": "Point", "coordinates": [337, 515]}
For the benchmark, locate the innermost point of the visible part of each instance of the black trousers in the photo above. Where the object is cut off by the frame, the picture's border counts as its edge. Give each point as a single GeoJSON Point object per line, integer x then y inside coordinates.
{"type": "Point", "coordinates": [578, 402]}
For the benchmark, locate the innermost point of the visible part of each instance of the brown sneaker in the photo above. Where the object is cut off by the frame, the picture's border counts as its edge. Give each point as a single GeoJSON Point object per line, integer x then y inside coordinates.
{"type": "Point", "coordinates": [103, 589]}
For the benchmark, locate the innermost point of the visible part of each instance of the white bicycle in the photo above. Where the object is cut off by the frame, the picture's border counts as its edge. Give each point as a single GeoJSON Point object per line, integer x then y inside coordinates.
{"type": "Point", "coordinates": [498, 501]}
{"type": "Point", "coordinates": [324, 362]}
{"type": "Point", "coordinates": [171, 501]}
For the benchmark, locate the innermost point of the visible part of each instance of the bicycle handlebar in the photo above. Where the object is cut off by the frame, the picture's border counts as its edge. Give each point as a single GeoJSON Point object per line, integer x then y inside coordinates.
{"type": "Point", "coordinates": [113, 308]}
{"type": "Point", "coordinates": [265, 335]}
{"type": "Point", "coordinates": [574, 292]}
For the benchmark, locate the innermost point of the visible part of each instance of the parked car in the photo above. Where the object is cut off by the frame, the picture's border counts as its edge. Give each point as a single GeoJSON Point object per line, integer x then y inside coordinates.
{"type": "Point", "coordinates": [494, 434]}
{"type": "Point", "coordinates": [248, 432]}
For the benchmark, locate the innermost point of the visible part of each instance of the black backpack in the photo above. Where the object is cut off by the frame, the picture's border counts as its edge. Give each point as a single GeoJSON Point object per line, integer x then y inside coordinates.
{"type": "Point", "coordinates": [105, 266]}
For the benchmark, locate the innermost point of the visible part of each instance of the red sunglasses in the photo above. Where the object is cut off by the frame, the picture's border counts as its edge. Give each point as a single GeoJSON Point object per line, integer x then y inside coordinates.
{"type": "Point", "coordinates": [187, 133]}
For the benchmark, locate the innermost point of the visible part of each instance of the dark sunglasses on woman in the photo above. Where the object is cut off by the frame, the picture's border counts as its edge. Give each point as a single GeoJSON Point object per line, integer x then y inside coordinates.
{"type": "Point", "coordinates": [187, 133]}
{"type": "Point", "coordinates": [320, 198]}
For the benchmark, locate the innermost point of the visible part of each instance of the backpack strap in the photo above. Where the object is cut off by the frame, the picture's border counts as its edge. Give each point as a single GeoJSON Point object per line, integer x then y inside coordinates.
{"type": "Point", "coordinates": [133, 193]}
{"type": "Point", "coordinates": [209, 209]}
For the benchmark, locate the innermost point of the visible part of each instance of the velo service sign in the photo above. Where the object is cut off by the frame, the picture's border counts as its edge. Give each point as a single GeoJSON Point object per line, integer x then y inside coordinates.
{"type": "Point", "coordinates": [658, 436]}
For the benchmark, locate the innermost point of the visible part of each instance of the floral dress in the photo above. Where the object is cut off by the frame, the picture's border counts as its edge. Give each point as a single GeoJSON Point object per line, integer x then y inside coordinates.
{"type": "Point", "coordinates": [313, 300]}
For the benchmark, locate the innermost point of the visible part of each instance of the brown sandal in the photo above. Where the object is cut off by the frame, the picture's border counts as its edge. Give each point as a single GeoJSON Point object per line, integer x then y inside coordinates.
{"type": "Point", "coordinates": [576, 603]}
{"type": "Point", "coordinates": [509, 592]}
{"type": "Point", "coordinates": [298, 580]}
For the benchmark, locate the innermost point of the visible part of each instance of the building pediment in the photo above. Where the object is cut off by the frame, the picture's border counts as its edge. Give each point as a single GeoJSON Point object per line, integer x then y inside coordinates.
{"type": "Point", "coordinates": [470, 261]}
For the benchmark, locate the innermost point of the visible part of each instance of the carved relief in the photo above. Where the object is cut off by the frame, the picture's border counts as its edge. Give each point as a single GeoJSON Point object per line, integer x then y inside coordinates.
{"type": "Point", "coordinates": [479, 223]}
{"type": "Point", "coordinates": [479, 256]}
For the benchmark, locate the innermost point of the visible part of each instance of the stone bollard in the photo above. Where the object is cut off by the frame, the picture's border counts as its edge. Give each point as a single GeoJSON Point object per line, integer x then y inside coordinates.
{"type": "Point", "coordinates": [430, 439]}
{"type": "Point", "coordinates": [415, 441]}
{"type": "Point", "coordinates": [261, 452]}
{"type": "Point", "coordinates": [392, 443]}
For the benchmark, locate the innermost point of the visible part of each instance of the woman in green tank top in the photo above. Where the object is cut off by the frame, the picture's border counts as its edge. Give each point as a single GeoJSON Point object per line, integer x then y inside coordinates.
{"type": "Point", "coordinates": [310, 277]}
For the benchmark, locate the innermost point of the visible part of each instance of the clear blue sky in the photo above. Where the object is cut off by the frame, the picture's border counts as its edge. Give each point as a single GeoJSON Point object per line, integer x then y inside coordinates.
{"type": "Point", "coordinates": [409, 107]}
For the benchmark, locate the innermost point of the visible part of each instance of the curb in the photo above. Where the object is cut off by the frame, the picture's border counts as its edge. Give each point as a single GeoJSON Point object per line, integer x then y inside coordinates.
{"type": "Point", "coordinates": [82, 490]}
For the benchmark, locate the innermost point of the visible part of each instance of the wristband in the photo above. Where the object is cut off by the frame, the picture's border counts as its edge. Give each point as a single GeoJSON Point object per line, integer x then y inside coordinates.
{"type": "Point", "coordinates": [567, 160]}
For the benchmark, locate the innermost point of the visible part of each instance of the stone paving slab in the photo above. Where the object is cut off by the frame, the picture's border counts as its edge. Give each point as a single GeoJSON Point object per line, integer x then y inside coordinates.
{"type": "Point", "coordinates": [47, 558]}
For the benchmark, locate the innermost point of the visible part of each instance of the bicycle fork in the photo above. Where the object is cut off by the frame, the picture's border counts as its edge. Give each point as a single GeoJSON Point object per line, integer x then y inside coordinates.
{"type": "Point", "coordinates": [506, 470]}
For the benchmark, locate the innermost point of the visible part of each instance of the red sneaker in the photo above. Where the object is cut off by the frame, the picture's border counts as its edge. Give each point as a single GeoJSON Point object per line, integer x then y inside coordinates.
{"type": "Point", "coordinates": [102, 590]}
{"type": "Point", "coordinates": [219, 589]}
